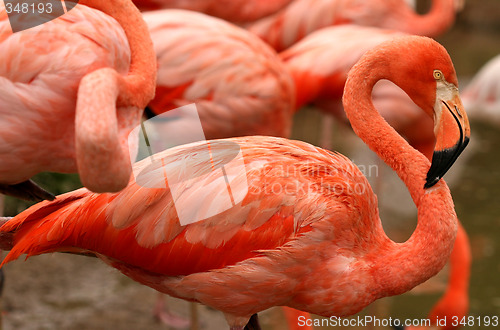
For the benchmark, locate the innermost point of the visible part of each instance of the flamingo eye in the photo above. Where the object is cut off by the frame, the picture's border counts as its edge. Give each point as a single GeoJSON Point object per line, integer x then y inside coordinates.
{"type": "Point", "coordinates": [438, 75]}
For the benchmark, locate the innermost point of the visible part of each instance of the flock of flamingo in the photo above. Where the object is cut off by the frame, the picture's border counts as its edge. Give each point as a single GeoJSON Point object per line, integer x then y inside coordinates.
{"type": "Point", "coordinates": [73, 89]}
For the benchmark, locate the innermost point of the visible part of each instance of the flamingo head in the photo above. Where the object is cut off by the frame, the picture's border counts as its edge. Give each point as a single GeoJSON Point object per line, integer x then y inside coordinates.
{"type": "Point", "coordinates": [451, 128]}
{"type": "Point", "coordinates": [433, 85]}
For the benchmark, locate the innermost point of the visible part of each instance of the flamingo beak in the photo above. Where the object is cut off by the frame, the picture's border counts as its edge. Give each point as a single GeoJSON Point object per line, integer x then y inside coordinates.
{"type": "Point", "coordinates": [452, 130]}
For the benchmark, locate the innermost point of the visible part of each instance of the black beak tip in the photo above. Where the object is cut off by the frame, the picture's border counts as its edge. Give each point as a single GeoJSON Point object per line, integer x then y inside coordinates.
{"type": "Point", "coordinates": [149, 113]}
{"type": "Point", "coordinates": [429, 182]}
{"type": "Point", "coordinates": [398, 327]}
{"type": "Point", "coordinates": [442, 160]}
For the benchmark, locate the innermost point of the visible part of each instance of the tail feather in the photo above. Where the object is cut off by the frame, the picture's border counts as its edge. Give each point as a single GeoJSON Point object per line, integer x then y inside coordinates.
{"type": "Point", "coordinates": [6, 239]}
{"type": "Point", "coordinates": [31, 231]}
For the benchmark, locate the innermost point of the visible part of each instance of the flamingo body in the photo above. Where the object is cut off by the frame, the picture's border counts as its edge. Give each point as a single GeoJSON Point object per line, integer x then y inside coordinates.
{"type": "Point", "coordinates": [71, 91]}
{"type": "Point", "coordinates": [151, 246]}
{"type": "Point", "coordinates": [238, 83]}
{"type": "Point", "coordinates": [82, 40]}
{"type": "Point", "coordinates": [320, 63]}
{"type": "Point", "coordinates": [229, 10]}
{"type": "Point", "coordinates": [482, 94]}
{"type": "Point", "coordinates": [302, 17]}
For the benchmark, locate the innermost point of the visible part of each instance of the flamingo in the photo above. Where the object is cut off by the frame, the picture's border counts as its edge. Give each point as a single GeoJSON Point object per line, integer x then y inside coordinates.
{"type": "Point", "coordinates": [320, 63]}
{"type": "Point", "coordinates": [70, 92]}
{"type": "Point", "coordinates": [229, 10]}
{"type": "Point", "coordinates": [303, 17]}
{"type": "Point", "coordinates": [482, 94]}
{"type": "Point", "coordinates": [316, 244]}
{"type": "Point", "coordinates": [239, 84]}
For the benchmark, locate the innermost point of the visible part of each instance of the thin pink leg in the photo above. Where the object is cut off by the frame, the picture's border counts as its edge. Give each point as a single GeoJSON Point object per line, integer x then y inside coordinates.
{"type": "Point", "coordinates": [326, 131]}
{"type": "Point", "coordinates": [162, 313]}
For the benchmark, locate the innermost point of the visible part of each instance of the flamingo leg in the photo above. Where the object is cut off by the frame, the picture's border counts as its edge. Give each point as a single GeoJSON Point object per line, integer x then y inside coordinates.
{"type": "Point", "coordinates": [164, 315]}
{"type": "Point", "coordinates": [253, 324]}
{"type": "Point", "coordinates": [27, 190]}
{"type": "Point", "coordinates": [194, 316]}
{"type": "Point", "coordinates": [326, 131]}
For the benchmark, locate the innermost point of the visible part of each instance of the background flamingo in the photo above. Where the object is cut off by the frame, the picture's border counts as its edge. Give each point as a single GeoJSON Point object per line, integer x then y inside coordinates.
{"type": "Point", "coordinates": [77, 85]}
{"type": "Point", "coordinates": [303, 17]}
{"type": "Point", "coordinates": [340, 238]}
{"type": "Point", "coordinates": [239, 84]}
{"type": "Point", "coordinates": [319, 65]}
{"type": "Point", "coordinates": [482, 94]}
{"type": "Point", "coordinates": [230, 10]}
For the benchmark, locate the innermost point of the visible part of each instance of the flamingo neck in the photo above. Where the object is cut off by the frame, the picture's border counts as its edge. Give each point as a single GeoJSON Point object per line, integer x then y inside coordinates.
{"type": "Point", "coordinates": [410, 165]}
{"type": "Point", "coordinates": [138, 87]}
{"type": "Point", "coordinates": [398, 267]}
{"type": "Point", "coordinates": [455, 301]}
{"type": "Point", "coordinates": [439, 18]}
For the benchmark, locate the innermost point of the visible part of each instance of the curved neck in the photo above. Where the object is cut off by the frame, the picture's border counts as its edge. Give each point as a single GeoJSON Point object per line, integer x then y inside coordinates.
{"type": "Point", "coordinates": [439, 18]}
{"type": "Point", "coordinates": [410, 165]}
{"type": "Point", "coordinates": [396, 268]}
{"type": "Point", "coordinates": [139, 85]}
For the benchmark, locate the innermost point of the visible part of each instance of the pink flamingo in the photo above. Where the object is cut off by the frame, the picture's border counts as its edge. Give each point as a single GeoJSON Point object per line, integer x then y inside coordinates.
{"type": "Point", "coordinates": [482, 94]}
{"type": "Point", "coordinates": [239, 84]}
{"type": "Point", "coordinates": [70, 92]}
{"type": "Point", "coordinates": [316, 245]}
{"type": "Point", "coordinates": [303, 17]}
{"type": "Point", "coordinates": [229, 10]}
{"type": "Point", "coordinates": [320, 63]}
